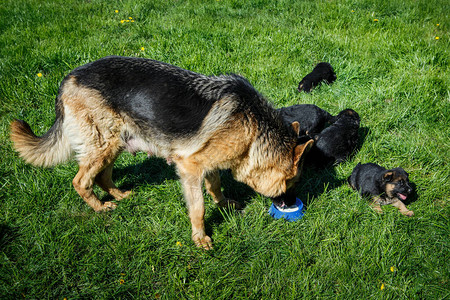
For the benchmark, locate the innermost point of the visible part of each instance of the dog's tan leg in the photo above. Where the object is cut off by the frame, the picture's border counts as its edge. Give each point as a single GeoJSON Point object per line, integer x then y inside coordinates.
{"type": "Point", "coordinates": [89, 167]}
{"type": "Point", "coordinates": [191, 178]}
{"type": "Point", "coordinates": [83, 183]}
{"type": "Point", "coordinates": [212, 184]}
{"type": "Point", "coordinates": [104, 180]}
{"type": "Point", "coordinates": [402, 208]}
{"type": "Point", "coordinates": [376, 205]}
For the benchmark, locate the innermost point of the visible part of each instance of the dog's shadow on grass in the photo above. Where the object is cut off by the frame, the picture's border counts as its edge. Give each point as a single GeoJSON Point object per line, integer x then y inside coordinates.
{"type": "Point", "coordinates": [363, 132]}
{"type": "Point", "coordinates": [153, 170]}
{"type": "Point", "coordinates": [232, 189]}
{"type": "Point", "coordinates": [315, 181]}
{"type": "Point", "coordinates": [7, 235]}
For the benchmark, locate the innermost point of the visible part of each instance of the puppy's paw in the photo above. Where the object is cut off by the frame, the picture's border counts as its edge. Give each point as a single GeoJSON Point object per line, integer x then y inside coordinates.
{"type": "Point", "coordinates": [409, 213]}
{"type": "Point", "coordinates": [376, 207]}
{"type": "Point", "coordinates": [205, 242]}
{"type": "Point", "coordinates": [229, 204]}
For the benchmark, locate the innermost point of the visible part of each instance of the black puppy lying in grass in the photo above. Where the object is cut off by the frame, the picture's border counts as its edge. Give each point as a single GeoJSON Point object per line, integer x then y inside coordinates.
{"type": "Point", "coordinates": [322, 72]}
{"type": "Point", "coordinates": [335, 143]}
{"type": "Point", "coordinates": [382, 186]}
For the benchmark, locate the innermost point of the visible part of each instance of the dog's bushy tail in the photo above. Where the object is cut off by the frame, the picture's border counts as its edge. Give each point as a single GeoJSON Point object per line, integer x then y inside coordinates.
{"type": "Point", "coordinates": [47, 150]}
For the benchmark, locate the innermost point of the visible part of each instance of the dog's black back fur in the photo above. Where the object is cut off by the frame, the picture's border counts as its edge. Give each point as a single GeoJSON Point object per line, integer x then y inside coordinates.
{"type": "Point", "coordinates": [322, 72]}
{"type": "Point", "coordinates": [312, 118]}
{"type": "Point", "coordinates": [142, 87]}
{"type": "Point", "coordinates": [131, 80]}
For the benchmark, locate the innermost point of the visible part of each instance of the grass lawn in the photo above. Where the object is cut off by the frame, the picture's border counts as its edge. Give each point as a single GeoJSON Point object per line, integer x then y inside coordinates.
{"type": "Point", "coordinates": [392, 64]}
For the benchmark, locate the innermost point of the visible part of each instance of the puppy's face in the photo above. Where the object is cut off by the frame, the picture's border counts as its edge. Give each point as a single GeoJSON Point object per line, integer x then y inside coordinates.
{"type": "Point", "coordinates": [348, 117]}
{"type": "Point", "coordinates": [305, 85]}
{"type": "Point", "coordinates": [331, 77]}
{"type": "Point", "coordinates": [397, 184]}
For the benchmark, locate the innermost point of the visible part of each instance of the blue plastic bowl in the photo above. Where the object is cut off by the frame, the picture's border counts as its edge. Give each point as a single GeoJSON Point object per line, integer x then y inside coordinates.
{"type": "Point", "coordinates": [291, 213]}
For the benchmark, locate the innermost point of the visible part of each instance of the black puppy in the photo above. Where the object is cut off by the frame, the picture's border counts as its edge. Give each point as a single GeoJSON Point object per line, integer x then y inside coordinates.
{"type": "Point", "coordinates": [382, 185]}
{"type": "Point", "coordinates": [312, 118]}
{"type": "Point", "coordinates": [322, 72]}
{"type": "Point", "coordinates": [338, 141]}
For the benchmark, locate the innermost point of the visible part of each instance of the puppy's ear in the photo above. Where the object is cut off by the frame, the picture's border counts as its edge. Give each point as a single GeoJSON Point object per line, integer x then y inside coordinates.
{"type": "Point", "coordinates": [296, 126]}
{"type": "Point", "coordinates": [406, 173]}
{"type": "Point", "coordinates": [388, 176]}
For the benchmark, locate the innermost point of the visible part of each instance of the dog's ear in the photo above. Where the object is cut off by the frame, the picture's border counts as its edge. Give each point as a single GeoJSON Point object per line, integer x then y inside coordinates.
{"type": "Point", "coordinates": [387, 177]}
{"type": "Point", "coordinates": [299, 150]}
{"type": "Point", "coordinates": [296, 126]}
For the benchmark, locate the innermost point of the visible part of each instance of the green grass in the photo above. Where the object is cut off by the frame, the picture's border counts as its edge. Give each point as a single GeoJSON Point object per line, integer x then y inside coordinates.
{"type": "Point", "coordinates": [393, 71]}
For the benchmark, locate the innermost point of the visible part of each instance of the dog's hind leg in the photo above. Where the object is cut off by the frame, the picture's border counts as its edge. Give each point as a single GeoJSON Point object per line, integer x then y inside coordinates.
{"type": "Point", "coordinates": [402, 208]}
{"type": "Point", "coordinates": [104, 180]}
{"type": "Point", "coordinates": [89, 167]}
{"type": "Point", "coordinates": [212, 184]}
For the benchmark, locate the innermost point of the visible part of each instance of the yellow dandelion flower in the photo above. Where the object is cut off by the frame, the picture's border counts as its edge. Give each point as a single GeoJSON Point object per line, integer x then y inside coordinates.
{"type": "Point", "coordinates": [130, 18]}
{"type": "Point", "coordinates": [392, 269]}
{"type": "Point", "coordinates": [353, 10]}
{"type": "Point", "coordinates": [122, 21]}
{"type": "Point", "coordinates": [179, 244]}
{"type": "Point", "coordinates": [121, 281]}
{"type": "Point", "coordinates": [116, 11]}
{"type": "Point", "coordinates": [436, 38]}
{"type": "Point", "coordinates": [132, 21]}
{"type": "Point", "coordinates": [382, 286]}
{"type": "Point", "coordinates": [375, 20]}
{"type": "Point", "coordinates": [128, 21]}
{"type": "Point", "coordinates": [39, 74]}
{"type": "Point", "coordinates": [437, 24]}
{"type": "Point", "coordinates": [142, 49]}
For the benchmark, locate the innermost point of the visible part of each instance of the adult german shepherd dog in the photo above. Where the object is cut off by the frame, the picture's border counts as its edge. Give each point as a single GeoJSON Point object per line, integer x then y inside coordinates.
{"type": "Point", "coordinates": [201, 123]}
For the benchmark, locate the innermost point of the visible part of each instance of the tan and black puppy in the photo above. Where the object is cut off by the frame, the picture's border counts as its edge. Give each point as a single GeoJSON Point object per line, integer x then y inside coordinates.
{"type": "Point", "coordinates": [200, 123]}
{"type": "Point", "coordinates": [382, 186]}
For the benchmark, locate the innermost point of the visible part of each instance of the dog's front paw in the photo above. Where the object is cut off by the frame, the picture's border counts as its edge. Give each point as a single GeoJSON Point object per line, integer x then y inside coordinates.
{"type": "Point", "coordinates": [205, 242]}
{"type": "Point", "coordinates": [124, 194]}
{"type": "Point", "coordinates": [230, 204]}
